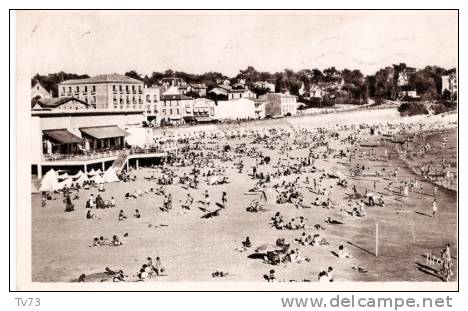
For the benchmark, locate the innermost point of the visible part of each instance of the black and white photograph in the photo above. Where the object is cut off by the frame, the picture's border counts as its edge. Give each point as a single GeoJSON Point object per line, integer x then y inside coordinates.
{"type": "Point", "coordinates": [251, 150]}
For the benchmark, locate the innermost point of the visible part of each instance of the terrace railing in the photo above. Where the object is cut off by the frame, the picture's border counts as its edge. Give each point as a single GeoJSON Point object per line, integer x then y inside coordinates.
{"type": "Point", "coordinates": [106, 153]}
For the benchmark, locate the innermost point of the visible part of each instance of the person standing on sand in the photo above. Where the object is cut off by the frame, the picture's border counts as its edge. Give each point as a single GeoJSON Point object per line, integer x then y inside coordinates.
{"type": "Point", "coordinates": [207, 200]}
{"type": "Point", "coordinates": [434, 208]}
{"type": "Point", "coordinates": [224, 199]}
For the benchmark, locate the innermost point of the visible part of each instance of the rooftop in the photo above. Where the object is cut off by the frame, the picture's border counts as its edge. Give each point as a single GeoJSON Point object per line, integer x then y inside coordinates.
{"type": "Point", "coordinates": [105, 78]}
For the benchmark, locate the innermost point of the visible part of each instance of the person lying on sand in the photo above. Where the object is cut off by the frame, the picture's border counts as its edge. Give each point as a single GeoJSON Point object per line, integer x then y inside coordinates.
{"type": "Point", "coordinates": [219, 274]}
{"type": "Point", "coordinates": [343, 253]}
{"type": "Point", "coordinates": [122, 215]}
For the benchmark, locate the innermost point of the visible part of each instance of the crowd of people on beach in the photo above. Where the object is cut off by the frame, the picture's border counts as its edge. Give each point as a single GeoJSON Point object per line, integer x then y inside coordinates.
{"type": "Point", "coordinates": [280, 180]}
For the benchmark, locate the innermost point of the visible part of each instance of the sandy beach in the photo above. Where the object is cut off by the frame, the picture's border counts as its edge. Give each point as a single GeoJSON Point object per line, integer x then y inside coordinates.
{"type": "Point", "coordinates": [191, 248]}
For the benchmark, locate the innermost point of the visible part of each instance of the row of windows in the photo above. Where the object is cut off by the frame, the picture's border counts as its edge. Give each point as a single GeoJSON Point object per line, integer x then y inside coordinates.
{"type": "Point", "coordinates": [127, 106]}
{"type": "Point", "coordinates": [77, 89]}
{"type": "Point", "coordinates": [88, 99]}
{"type": "Point", "coordinates": [155, 98]}
{"type": "Point", "coordinates": [171, 111]}
{"type": "Point", "coordinates": [128, 88]}
{"type": "Point", "coordinates": [176, 103]}
{"type": "Point", "coordinates": [127, 100]}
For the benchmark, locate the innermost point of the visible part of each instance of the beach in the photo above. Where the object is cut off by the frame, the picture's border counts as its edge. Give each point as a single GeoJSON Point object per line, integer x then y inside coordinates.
{"type": "Point", "coordinates": [191, 248]}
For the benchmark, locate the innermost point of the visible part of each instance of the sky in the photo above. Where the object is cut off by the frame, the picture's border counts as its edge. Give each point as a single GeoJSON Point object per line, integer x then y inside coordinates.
{"type": "Point", "coordinates": [202, 41]}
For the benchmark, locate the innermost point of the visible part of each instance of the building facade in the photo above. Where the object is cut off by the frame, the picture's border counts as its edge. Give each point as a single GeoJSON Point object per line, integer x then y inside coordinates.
{"type": "Point", "coordinates": [108, 91]}
{"type": "Point", "coordinates": [38, 91]}
{"type": "Point", "coordinates": [152, 102]}
{"type": "Point", "coordinates": [449, 83]}
{"type": "Point", "coordinates": [280, 105]}
{"type": "Point", "coordinates": [242, 108]}
{"type": "Point", "coordinates": [174, 107]}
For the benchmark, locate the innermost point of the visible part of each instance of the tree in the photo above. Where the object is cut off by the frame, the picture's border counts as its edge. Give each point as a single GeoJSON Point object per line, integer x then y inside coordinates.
{"type": "Point", "coordinates": [133, 74]}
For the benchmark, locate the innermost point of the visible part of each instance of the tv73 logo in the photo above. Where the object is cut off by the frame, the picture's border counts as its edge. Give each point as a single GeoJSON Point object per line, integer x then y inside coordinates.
{"type": "Point", "coordinates": [28, 302]}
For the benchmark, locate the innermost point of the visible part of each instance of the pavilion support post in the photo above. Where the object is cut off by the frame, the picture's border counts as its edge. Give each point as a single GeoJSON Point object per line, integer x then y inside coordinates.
{"type": "Point", "coordinates": [39, 171]}
{"type": "Point", "coordinates": [85, 169]}
{"type": "Point", "coordinates": [103, 164]}
{"type": "Point", "coordinates": [137, 164]}
{"type": "Point", "coordinates": [126, 164]}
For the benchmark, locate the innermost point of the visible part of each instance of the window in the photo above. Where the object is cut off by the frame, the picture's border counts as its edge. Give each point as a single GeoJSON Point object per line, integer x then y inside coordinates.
{"type": "Point", "coordinates": [133, 89]}
{"type": "Point", "coordinates": [120, 88]}
{"type": "Point", "coordinates": [114, 88]}
{"type": "Point", "coordinates": [148, 98]}
{"type": "Point", "coordinates": [164, 111]}
{"type": "Point", "coordinates": [127, 89]}
{"type": "Point", "coordinates": [85, 89]}
{"type": "Point", "coordinates": [155, 98]}
{"type": "Point", "coordinates": [178, 111]}
{"type": "Point", "coordinates": [94, 89]}
{"type": "Point", "coordinates": [170, 111]}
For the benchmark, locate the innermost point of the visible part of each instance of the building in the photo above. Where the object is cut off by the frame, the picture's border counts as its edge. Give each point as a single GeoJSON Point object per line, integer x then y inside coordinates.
{"type": "Point", "coordinates": [269, 86]}
{"type": "Point", "coordinates": [107, 91]}
{"type": "Point", "coordinates": [404, 76]}
{"type": "Point", "coordinates": [152, 102]}
{"type": "Point", "coordinates": [197, 88]}
{"type": "Point", "coordinates": [260, 107]}
{"type": "Point", "coordinates": [202, 111]}
{"type": "Point", "coordinates": [316, 91]}
{"type": "Point", "coordinates": [168, 82]}
{"type": "Point", "coordinates": [280, 105]}
{"type": "Point", "coordinates": [55, 103]}
{"type": "Point", "coordinates": [38, 91]}
{"type": "Point", "coordinates": [409, 94]}
{"type": "Point", "coordinates": [228, 93]}
{"type": "Point", "coordinates": [204, 107]}
{"type": "Point", "coordinates": [174, 106]}
{"type": "Point", "coordinates": [92, 139]}
{"type": "Point", "coordinates": [449, 83]}
{"type": "Point", "coordinates": [242, 108]}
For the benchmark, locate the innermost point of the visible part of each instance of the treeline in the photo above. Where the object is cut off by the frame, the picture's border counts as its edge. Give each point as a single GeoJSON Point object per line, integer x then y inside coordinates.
{"type": "Point", "coordinates": [426, 82]}
{"type": "Point", "coordinates": [50, 81]}
{"type": "Point", "coordinates": [356, 88]}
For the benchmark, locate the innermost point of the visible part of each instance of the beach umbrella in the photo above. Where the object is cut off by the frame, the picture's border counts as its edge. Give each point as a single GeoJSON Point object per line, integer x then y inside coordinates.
{"type": "Point", "coordinates": [96, 178]}
{"type": "Point", "coordinates": [80, 180]}
{"type": "Point", "coordinates": [213, 180]}
{"type": "Point", "coordinates": [268, 248]}
{"type": "Point", "coordinates": [110, 175]}
{"type": "Point", "coordinates": [335, 172]}
{"type": "Point", "coordinates": [49, 182]}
